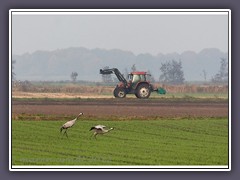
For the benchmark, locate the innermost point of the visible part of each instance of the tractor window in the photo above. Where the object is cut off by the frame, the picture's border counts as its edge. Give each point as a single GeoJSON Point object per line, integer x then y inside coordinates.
{"type": "Point", "coordinates": [136, 78]}
{"type": "Point", "coordinates": [130, 77]}
{"type": "Point", "coordinates": [143, 77]}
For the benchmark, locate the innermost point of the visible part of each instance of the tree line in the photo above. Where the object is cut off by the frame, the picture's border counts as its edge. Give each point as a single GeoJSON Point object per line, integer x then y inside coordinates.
{"type": "Point", "coordinates": [171, 72]}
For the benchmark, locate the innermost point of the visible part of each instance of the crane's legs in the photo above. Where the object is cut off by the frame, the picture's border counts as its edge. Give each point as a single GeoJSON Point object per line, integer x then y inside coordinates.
{"type": "Point", "coordinates": [94, 135]}
{"type": "Point", "coordinates": [61, 129]}
{"type": "Point", "coordinates": [65, 133]}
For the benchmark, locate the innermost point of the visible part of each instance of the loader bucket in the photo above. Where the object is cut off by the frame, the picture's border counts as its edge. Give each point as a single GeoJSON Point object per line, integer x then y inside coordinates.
{"type": "Point", "coordinates": [161, 91]}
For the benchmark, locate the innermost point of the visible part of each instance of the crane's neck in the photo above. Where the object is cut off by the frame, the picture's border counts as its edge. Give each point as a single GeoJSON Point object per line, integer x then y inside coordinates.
{"type": "Point", "coordinates": [78, 116]}
{"type": "Point", "coordinates": [73, 121]}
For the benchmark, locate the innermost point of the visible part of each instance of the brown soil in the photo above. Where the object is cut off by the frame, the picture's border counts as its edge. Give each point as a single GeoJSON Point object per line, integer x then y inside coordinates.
{"type": "Point", "coordinates": [123, 108]}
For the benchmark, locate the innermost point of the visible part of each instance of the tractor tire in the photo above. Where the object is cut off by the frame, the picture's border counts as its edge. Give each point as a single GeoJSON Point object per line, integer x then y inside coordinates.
{"type": "Point", "coordinates": [119, 93]}
{"type": "Point", "coordinates": [143, 91]}
{"type": "Point", "coordinates": [136, 94]}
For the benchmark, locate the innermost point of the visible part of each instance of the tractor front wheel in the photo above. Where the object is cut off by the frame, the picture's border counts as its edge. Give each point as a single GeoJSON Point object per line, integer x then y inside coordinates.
{"type": "Point", "coordinates": [119, 93]}
{"type": "Point", "coordinates": [143, 91]}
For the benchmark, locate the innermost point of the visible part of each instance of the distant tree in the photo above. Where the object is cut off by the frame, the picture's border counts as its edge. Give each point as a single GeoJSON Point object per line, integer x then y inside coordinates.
{"type": "Point", "coordinates": [222, 75]}
{"type": "Point", "coordinates": [26, 85]}
{"type": "Point", "coordinates": [107, 78]}
{"type": "Point", "coordinates": [126, 72]}
{"type": "Point", "coordinates": [204, 75]}
{"type": "Point", "coordinates": [133, 68]}
{"type": "Point", "coordinates": [74, 76]}
{"type": "Point", "coordinates": [115, 80]}
{"type": "Point", "coordinates": [172, 72]}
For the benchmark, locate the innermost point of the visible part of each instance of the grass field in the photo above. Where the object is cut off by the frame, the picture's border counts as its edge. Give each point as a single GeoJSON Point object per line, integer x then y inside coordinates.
{"type": "Point", "coordinates": [133, 142]}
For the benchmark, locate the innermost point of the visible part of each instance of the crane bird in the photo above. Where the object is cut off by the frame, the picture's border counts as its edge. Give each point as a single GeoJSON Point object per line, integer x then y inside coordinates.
{"type": "Point", "coordinates": [100, 129]}
{"type": "Point", "coordinates": [69, 124]}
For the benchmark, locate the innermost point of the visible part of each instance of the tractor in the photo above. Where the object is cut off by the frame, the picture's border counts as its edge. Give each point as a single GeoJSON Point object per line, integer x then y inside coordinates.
{"type": "Point", "coordinates": [137, 84]}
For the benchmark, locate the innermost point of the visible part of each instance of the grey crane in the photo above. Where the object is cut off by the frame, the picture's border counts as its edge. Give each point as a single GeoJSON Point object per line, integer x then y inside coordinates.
{"type": "Point", "coordinates": [69, 124]}
{"type": "Point", "coordinates": [100, 129]}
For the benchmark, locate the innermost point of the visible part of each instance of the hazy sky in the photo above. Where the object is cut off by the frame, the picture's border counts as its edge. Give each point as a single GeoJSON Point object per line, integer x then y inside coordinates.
{"type": "Point", "coordinates": [137, 33]}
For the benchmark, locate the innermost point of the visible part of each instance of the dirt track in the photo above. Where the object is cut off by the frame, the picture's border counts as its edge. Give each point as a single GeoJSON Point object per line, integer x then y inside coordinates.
{"type": "Point", "coordinates": [123, 107]}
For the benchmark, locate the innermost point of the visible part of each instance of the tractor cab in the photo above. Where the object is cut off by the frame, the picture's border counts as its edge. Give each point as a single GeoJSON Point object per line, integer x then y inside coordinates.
{"type": "Point", "coordinates": [136, 77]}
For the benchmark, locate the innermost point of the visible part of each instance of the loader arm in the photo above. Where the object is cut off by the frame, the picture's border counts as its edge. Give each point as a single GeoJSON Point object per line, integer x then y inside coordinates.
{"type": "Point", "coordinates": [116, 72]}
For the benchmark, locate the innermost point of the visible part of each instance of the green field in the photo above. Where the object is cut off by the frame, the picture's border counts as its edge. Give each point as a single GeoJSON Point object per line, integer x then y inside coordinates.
{"type": "Point", "coordinates": [133, 142]}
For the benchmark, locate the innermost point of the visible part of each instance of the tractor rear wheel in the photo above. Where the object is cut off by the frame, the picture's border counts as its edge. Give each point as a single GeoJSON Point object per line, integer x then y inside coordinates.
{"type": "Point", "coordinates": [119, 92]}
{"type": "Point", "coordinates": [143, 91]}
{"type": "Point", "coordinates": [136, 94]}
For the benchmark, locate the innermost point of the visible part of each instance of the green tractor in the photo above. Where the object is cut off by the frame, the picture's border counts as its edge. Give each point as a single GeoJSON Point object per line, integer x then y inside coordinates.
{"type": "Point", "coordinates": [137, 84]}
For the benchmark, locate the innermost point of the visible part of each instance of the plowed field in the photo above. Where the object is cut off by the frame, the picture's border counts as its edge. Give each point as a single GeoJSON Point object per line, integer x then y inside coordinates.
{"type": "Point", "coordinates": [124, 107]}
